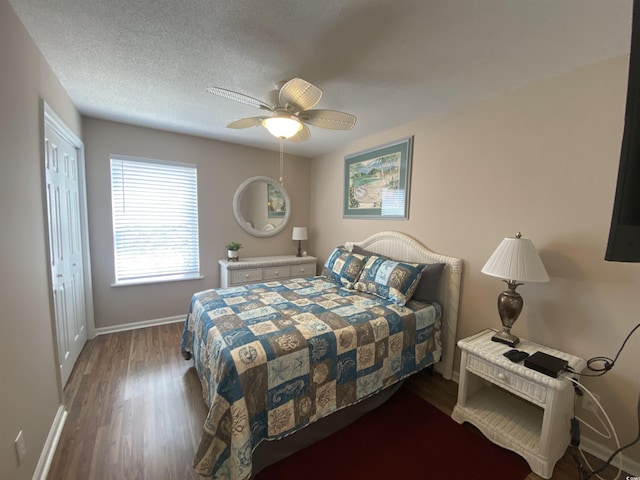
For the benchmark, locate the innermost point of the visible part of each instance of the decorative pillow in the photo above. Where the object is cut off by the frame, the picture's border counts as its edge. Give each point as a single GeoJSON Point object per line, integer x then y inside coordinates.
{"type": "Point", "coordinates": [394, 281]}
{"type": "Point", "coordinates": [344, 267]}
{"type": "Point", "coordinates": [427, 288]}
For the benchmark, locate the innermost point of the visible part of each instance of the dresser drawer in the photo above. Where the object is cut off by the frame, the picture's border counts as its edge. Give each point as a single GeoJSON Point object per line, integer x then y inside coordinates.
{"type": "Point", "coordinates": [508, 380]}
{"type": "Point", "coordinates": [303, 270]}
{"type": "Point", "coordinates": [265, 269]}
{"type": "Point", "coordinates": [276, 273]}
{"type": "Point", "coordinates": [239, 277]}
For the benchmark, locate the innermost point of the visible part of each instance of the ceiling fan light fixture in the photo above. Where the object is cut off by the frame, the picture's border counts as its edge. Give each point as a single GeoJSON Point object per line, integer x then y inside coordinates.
{"type": "Point", "coordinates": [292, 112]}
{"type": "Point", "coordinates": [282, 126]}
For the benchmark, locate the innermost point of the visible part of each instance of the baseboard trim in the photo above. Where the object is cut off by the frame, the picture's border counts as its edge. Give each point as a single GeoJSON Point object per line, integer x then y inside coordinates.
{"type": "Point", "coordinates": [603, 453]}
{"type": "Point", "coordinates": [49, 450]}
{"type": "Point", "coordinates": [136, 325]}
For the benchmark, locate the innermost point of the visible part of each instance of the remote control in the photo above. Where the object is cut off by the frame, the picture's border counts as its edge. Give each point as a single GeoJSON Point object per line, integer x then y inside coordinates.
{"type": "Point", "coordinates": [516, 355]}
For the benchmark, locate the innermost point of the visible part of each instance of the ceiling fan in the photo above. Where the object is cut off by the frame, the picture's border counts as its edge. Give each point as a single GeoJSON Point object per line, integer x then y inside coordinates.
{"type": "Point", "coordinates": [289, 116]}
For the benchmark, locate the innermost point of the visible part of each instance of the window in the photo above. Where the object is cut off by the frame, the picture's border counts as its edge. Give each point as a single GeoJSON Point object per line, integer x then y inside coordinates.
{"type": "Point", "coordinates": [155, 220]}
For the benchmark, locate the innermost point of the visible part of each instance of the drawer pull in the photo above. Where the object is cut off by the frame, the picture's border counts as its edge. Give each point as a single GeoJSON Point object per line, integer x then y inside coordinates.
{"type": "Point", "coordinates": [246, 275]}
{"type": "Point", "coordinates": [277, 272]}
{"type": "Point", "coordinates": [502, 376]}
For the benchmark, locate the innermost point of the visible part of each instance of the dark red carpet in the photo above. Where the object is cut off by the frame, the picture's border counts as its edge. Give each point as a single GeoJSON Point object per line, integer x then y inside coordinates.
{"type": "Point", "coordinates": [406, 438]}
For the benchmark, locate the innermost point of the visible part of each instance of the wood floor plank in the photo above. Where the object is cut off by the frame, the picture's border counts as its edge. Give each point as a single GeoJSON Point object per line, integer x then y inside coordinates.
{"type": "Point", "coordinates": [136, 411]}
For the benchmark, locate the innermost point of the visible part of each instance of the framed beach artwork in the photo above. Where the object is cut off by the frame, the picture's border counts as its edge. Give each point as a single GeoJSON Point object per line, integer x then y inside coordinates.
{"type": "Point", "coordinates": [377, 182]}
{"type": "Point", "coordinates": [276, 204]}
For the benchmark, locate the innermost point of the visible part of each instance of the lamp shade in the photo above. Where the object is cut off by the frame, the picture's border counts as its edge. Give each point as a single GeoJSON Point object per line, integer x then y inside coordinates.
{"type": "Point", "coordinates": [282, 126]}
{"type": "Point", "coordinates": [516, 259]}
{"type": "Point", "coordinates": [299, 233]}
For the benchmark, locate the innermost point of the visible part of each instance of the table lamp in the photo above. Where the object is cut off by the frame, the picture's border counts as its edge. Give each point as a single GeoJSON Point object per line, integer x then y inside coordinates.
{"type": "Point", "coordinates": [515, 261]}
{"type": "Point", "coordinates": [299, 234]}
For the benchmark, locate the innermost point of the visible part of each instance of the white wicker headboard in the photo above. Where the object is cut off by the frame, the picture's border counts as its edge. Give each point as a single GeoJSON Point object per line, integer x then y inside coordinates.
{"type": "Point", "coordinates": [399, 246]}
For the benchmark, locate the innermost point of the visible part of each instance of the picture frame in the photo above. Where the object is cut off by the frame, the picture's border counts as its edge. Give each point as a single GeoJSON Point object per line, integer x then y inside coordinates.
{"type": "Point", "coordinates": [276, 204]}
{"type": "Point", "coordinates": [377, 182]}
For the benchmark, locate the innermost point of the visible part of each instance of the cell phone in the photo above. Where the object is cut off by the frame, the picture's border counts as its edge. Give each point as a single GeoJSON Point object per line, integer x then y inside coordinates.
{"type": "Point", "coordinates": [516, 355]}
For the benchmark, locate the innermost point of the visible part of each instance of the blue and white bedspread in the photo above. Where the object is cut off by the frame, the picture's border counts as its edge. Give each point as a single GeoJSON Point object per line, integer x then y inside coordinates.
{"type": "Point", "coordinates": [276, 356]}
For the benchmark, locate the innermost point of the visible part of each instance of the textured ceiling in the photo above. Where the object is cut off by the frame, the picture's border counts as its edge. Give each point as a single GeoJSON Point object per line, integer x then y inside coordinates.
{"type": "Point", "coordinates": [148, 62]}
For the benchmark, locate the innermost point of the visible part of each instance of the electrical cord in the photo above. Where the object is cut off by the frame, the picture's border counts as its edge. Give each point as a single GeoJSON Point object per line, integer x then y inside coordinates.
{"type": "Point", "coordinates": [607, 434]}
{"type": "Point", "coordinates": [616, 452]}
{"type": "Point", "coordinates": [609, 429]}
{"type": "Point", "coordinates": [607, 364]}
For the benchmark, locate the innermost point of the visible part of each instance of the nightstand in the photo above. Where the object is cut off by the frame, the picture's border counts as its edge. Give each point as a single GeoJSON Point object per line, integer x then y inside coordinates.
{"type": "Point", "coordinates": [514, 406]}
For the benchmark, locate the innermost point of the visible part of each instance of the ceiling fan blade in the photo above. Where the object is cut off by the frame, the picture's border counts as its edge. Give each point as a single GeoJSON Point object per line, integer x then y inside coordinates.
{"type": "Point", "coordinates": [297, 95]}
{"type": "Point", "coordinates": [246, 122]}
{"type": "Point", "coordinates": [330, 119]}
{"type": "Point", "coordinates": [302, 136]}
{"type": "Point", "coordinates": [240, 98]}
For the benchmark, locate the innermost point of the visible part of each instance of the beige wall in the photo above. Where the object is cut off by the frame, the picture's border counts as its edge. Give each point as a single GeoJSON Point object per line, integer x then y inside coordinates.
{"type": "Point", "coordinates": [543, 160]}
{"type": "Point", "coordinates": [29, 396]}
{"type": "Point", "coordinates": [222, 167]}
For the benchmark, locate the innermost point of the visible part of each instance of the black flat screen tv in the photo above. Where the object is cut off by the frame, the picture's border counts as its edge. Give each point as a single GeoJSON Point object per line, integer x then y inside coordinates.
{"type": "Point", "coordinates": [624, 235]}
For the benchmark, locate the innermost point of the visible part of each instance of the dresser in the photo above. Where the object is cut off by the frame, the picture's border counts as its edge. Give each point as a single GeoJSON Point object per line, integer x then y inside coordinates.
{"type": "Point", "coordinates": [514, 406]}
{"type": "Point", "coordinates": [265, 269]}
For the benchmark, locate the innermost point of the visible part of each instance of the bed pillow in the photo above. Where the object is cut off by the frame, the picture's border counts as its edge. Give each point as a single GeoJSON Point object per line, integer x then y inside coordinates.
{"type": "Point", "coordinates": [366, 253]}
{"type": "Point", "coordinates": [391, 280]}
{"type": "Point", "coordinates": [344, 267]}
{"type": "Point", "coordinates": [427, 289]}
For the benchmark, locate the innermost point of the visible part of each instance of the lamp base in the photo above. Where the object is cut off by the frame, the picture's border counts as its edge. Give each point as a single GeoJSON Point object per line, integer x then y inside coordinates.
{"type": "Point", "coordinates": [299, 254]}
{"type": "Point", "coordinates": [509, 307]}
{"type": "Point", "coordinates": [506, 338]}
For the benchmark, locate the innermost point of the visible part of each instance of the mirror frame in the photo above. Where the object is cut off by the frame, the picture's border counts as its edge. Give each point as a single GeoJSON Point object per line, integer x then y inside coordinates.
{"type": "Point", "coordinates": [238, 214]}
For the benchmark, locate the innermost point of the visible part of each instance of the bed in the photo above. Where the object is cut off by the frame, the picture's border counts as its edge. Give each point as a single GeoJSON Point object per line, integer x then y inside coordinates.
{"type": "Point", "coordinates": [283, 364]}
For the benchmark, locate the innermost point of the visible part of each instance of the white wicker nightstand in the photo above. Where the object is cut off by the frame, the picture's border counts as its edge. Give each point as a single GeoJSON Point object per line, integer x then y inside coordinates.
{"type": "Point", "coordinates": [513, 406]}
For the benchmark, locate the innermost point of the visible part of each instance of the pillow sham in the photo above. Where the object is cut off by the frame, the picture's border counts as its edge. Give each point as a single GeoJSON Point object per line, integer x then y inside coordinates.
{"type": "Point", "coordinates": [388, 279]}
{"type": "Point", "coordinates": [344, 267]}
{"type": "Point", "coordinates": [427, 288]}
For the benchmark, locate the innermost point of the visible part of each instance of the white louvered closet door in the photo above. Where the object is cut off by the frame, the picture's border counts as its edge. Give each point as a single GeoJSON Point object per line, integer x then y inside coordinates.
{"type": "Point", "coordinates": [65, 244]}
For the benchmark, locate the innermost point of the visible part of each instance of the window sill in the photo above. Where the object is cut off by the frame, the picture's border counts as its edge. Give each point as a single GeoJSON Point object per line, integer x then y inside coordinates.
{"type": "Point", "coordinates": [152, 280]}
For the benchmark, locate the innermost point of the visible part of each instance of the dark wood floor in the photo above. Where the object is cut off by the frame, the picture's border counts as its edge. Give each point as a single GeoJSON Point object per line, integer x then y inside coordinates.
{"type": "Point", "coordinates": [135, 410]}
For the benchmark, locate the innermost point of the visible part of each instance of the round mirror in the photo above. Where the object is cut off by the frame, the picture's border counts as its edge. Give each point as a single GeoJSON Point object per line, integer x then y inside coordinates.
{"type": "Point", "coordinates": [261, 206]}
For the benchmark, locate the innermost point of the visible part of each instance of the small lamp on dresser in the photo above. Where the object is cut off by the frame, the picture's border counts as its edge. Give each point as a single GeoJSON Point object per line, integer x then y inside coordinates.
{"type": "Point", "coordinates": [515, 261]}
{"type": "Point", "coordinates": [299, 234]}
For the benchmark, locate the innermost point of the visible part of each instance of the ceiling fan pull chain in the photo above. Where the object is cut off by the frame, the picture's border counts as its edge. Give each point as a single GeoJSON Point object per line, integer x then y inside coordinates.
{"type": "Point", "coordinates": [281, 161]}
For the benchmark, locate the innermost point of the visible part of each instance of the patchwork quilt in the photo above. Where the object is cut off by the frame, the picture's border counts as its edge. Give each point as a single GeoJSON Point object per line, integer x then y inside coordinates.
{"type": "Point", "coordinates": [276, 356]}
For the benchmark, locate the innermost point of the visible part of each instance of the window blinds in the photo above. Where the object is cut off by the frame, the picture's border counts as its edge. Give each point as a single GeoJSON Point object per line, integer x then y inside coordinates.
{"type": "Point", "coordinates": [155, 220]}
